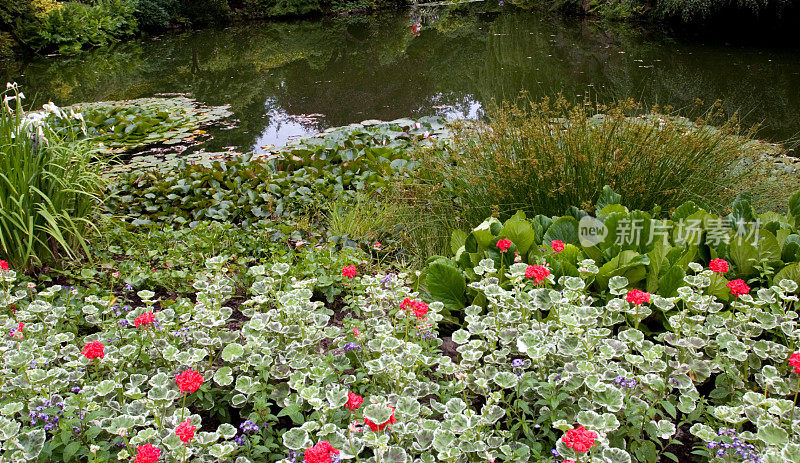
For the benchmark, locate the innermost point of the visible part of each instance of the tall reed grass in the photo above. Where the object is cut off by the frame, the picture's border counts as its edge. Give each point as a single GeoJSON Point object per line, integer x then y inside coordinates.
{"type": "Point", "coordinates": [542, 157]}
{"type": "Point", "coordinates": [49, 188]}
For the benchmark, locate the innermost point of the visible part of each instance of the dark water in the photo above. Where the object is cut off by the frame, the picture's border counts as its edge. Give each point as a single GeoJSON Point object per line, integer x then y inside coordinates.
{"type": "Point", "coordinates": [285, 79]}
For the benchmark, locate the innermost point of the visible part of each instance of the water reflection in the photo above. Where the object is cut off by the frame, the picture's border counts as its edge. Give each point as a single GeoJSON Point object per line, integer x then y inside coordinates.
{"type": "Point", "coordinates": [293, 78]}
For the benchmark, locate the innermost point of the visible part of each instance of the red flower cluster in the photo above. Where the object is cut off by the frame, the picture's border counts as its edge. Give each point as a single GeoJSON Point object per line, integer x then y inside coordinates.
{"type": "Point", "coordinates": [637, 297]}
{"type": "Point", "coordinates": [185, 431]}
{"type": "Point", "coordinates": [504, 244]}
{"type": "Point", "coordinates": [146, 318]}
{"type": "Point", "coordinates": [320, 453]}
{"type": "Point", "coordinates": [3, 265]}
{"type": "Point", "coordinates": [557, 245]}
{"type": "Point", "coordinates": [147, 454]}
{"type": "Point", "coordinates": [93, 350]}
{"type": "Point", "coordinates": [353, 401]}
{"type": "Point", "coordinates": [537, 272]}
{"type": "Point", "coordinates": [349, 272]}
{"type": "Point", "coordinates": [794, 361]}
{"type": "Point", "coordinates": [738, 287]}
{"type": "Point", "coordinates": [189, 381]}
{"type": "Point", "coordinates": [579, 439]}
{"type": "Point", "coordinates": [418, 308]}
{"type": "Point", "coordinates": [719, 266]}
{"type": "Point", "coordinates": [381, 427]}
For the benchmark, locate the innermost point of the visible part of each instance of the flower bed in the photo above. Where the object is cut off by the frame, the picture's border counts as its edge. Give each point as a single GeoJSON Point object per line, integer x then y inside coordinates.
{"type": "Point", "coordinates": [539, 374]}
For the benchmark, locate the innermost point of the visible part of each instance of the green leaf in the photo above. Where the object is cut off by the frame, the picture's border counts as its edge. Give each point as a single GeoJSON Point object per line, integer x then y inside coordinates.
{"type": "Point", "coordinates": [446, 284]}
{"type": "Point", "coordinates": [794, 208]}
{"type": "Point", "coordinates": [672, 280]}
{"type": "Point", "coordinates": [296, 439]}
{"type": "Point", "coordinates": [457, 239]}
{"type": "Point", "coordinates": [607, 196]}
{"type": "Point", "coordinates": [772, 434]}
{"type": "Point", "coordinates": [378, 414]}
{"type": "Point", "coordinates": [232, 351]}
{"type": "Point", "coordinates": [337, 398]}
{"type": "Point", "coordinates": [563, 229]}
{"type": "Point", "coordinates": [657, 257]}
{"type": "Point", "coordinates": [629, 264]}
{"type": "Point", "coordinates": [744, 255]}
{"type": "Point", "coordinates": [32, 443]}
{"type": "Point", "coordinates": [70, 450]}
{"type": "Point", "coordinates": [790, 272]}
{"type": "Point", "coordinates": [616, 455]}
{"type": "Point", "coordinates": [520, 232]}
{"type": "Point", "coordinates": [506, 379]}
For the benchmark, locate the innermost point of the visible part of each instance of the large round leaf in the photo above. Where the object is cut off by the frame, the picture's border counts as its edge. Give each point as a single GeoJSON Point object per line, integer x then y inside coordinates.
{"type": "Point", "coordinates": [446, 283]}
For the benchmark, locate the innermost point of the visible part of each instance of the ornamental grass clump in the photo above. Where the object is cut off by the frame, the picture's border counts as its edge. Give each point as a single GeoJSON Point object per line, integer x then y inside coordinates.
{"type": "Point", "coordinates": [541, 157]}
{"type": "Point", "coordinates": [48, 187]}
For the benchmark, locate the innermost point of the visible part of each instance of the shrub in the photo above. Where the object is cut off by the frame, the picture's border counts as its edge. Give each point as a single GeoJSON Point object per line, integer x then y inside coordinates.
{"type": "Point", "coordinates": [206, 12]}
{"type": "Point", "coordinates": [155, 15]}
{"type": "Point", "coordinates": [48, 188]}
{"type": "Point", "coordinates": [72, 26]}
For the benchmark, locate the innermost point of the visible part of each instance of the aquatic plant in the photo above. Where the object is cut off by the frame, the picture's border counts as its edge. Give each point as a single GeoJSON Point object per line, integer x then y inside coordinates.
{"type": "Point", "coordinates": [129, 125]}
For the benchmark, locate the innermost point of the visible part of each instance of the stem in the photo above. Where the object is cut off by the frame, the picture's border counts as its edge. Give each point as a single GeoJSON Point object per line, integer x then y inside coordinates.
{"type": "Point", "coordinates": [183, 406]}
{"type": "Point", "coordinates": [794, 404]}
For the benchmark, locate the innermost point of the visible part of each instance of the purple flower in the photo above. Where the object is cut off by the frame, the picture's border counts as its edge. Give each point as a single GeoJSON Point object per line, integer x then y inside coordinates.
{"type": "Point", "coordinates": [517, 363]}
{"type": "Point", "coordinates": [351, 346]}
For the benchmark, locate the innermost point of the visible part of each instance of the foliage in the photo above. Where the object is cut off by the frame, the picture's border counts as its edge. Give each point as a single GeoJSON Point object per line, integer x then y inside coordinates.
{"type": "Point", "coordinates": [547, 155]}
{"type": "Point", "coordinates": [67, 27]}
{"type": "Point", "coordinates": [118, 126]}
{"type": "Point", "coordinates": [48, 188]}
{"type": "Point", "coordinates": [694, 10]}
{"type": "Point", "coordinates": [206, 12]}
{"type": "Point", "coordinates": [297, 179]}
{"type": "Point", "coordinates": [155, 15]}
{"type": "Point", "coordinates": [531, 366]}
{"type": "Point", "coordinates": [652, 252]}
{"type": "Point", "coordinates": [166, 259]}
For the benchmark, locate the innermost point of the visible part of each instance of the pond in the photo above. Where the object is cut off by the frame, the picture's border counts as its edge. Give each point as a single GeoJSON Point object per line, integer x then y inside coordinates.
{"type": "Point", "coordinates": [291, 78]}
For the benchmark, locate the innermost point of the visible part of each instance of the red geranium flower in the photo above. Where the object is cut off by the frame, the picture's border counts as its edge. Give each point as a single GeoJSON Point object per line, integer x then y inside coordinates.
{"type": "Point", "coordinates": [557, 245]}
{"type": "Point", "coordinates": [738, 287]}
{"type": "Point", "coordinates": [3, 265]}
{"type": "Point", "coordinates": [794, 361]}
{"type": "Point", "coordinates": [504, 244]}
{"type": "Point", "coordinates": [382, 426]}
{"type": "Point", "coordinates": [537, 272]}
{"type": "Point", "coordinates": [719, 266]}
{"type": "Point", "coordinates": [147, 454]}
{"type": "Point", "coordinates": [185, 431]}
{"type": "Point", "coordinates": [637, 297]}
{"type": "Point", "coordinates": [93, 350]}
{"type": "Point", "coordinates": [320, 453]}
{"type": "Point", "coordinates": [420, 309]}
{"type": "Point", "coordinates": [579, 439]}
{"type": "Point", "coordinates": [349, 271]}
{"type": "Point", "coordinates": [353, 401]}
{"type": "Point", "coordinates": [189, 381]}
{"type": "Point", "coordinates": [146, 318]}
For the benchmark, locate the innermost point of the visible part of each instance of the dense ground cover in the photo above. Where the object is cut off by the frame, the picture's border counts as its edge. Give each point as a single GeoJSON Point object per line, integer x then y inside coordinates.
{"type": "Point", "coordinates": [285, 307]}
